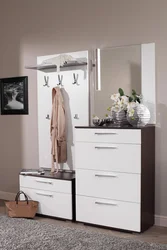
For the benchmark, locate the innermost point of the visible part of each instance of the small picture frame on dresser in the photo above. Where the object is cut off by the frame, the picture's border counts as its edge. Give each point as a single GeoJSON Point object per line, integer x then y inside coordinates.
{"type": "Point", "coordinates": [14, 95]}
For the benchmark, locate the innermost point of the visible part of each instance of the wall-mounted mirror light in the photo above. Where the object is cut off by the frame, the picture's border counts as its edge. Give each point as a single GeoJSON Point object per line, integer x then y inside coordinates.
{"type": "Point", "coordinates": [98, 70]}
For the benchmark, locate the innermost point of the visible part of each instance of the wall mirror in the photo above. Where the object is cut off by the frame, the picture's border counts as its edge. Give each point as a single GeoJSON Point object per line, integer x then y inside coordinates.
{"type": "Point", "coordinates": [126, 67]}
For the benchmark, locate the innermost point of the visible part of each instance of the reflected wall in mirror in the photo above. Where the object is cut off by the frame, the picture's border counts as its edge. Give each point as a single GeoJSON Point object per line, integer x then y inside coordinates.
{"type": "Point", "coordinates": [127, 67]}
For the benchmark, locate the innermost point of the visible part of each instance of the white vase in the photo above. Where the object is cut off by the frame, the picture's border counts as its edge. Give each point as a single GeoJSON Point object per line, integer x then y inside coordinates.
{"type": "Point", "coordinates": [141, 116]}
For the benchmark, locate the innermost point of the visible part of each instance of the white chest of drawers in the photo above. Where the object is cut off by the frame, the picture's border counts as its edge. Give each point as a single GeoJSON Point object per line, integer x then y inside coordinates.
{"type": "Point", "coordinates": [115, 177]}
{"type": "Point", "coordinates": [55, 193]}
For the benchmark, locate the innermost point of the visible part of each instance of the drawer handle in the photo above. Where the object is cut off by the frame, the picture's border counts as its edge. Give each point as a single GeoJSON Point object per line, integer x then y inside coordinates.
{"type": "Point", "coordinates": [46, 182]}
{"type": "Point", "coordinates": [101, 147]}
{"type": "Point", "coordinates": [48, 195]}
{"type": "Point", "coordinates": [105, 203]}
{"type": "Point", "coordinates": [103, 133]}
{"type": "Point", "coordinates": [106, 175]}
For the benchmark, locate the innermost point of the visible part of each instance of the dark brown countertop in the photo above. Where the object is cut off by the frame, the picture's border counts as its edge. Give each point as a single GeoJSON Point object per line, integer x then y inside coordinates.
{"type": "Point", "coordinates": [113, 127]}
{"type": "Point", "coordinates": [67, 176]}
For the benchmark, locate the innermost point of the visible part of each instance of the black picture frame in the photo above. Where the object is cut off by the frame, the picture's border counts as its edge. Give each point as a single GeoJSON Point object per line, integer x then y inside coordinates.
{"type": "Point", "coordinates": [14, 95]}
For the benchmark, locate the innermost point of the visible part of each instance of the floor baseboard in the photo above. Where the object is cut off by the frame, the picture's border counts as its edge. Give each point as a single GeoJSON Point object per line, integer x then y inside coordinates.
{"type": "Point", "coordinates": [7, 196]}
{"type": "Point", "coordinates": [161, 220]}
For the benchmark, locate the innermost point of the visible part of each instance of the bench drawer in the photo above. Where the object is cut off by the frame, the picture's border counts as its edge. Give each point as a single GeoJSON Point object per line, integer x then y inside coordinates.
{"type": "Point", "coordinates": [55, 185]}
{"type": "Point", "coordinates": [51, 203]}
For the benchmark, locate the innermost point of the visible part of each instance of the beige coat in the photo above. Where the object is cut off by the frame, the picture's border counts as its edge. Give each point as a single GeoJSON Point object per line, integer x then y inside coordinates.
{"type": "Point", "coordinates": [57, 129]}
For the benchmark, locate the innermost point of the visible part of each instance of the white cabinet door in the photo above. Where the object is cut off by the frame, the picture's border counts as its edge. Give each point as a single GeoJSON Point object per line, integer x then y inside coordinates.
{"type": "Point", "coordinates": [125, 158]}
{"type": "Point", "coordinates": [110, 213]}
{"type": "Point", "coordinates": [76, 99]}
{"type": "Point", "coordinates": [109, 185]}
{"type": "Point", "coordinates": [104, 135]}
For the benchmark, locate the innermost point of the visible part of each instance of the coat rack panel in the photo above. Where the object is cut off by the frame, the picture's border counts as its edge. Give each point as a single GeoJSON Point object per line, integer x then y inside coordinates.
{"type": "Point", "coordinates": [75, 91]}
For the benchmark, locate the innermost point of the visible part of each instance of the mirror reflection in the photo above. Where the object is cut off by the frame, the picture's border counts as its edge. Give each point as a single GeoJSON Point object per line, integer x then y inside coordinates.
{"type": "Point", "coordinates": [127, 67]}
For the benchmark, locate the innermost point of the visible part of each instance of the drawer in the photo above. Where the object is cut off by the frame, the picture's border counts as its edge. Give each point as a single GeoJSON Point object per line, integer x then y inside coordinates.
{"type": "Point", "coordinates": [51, 203]}
{"type": "Point", "coordinates": [108, 135]}
{"type": "Point", "coordinates": [108, 157]}
{"type": "Point", "coordinates": [108, 185]}
{"type": "Point", "coordinates": [60, 186]}
{"type": "Point", "coordinates": [110, 213]}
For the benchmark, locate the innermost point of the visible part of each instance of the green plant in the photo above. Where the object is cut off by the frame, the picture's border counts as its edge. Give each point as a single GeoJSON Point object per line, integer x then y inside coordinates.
{"type": "Point", "coordinates": [121, 92]}
{"type": "Point", "coordinates": [135, 97]}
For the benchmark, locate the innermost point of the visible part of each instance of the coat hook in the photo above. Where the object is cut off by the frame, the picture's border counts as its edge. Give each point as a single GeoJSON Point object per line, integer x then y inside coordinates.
{"type": "Point", "coordinates": [60, 79]}
{"type": "Point", "coordinates": [76, 116]}
{"type": "Point", "coordinates": [75, 78]}
{"type": "Point", "coordinates": [47, 117]}
{"type": "Point", "coordinates": [46, 78]}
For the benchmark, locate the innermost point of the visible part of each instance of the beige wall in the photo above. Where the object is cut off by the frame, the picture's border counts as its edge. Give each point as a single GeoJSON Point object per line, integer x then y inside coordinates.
{"type": "Point", "coordinates": [39, 27]}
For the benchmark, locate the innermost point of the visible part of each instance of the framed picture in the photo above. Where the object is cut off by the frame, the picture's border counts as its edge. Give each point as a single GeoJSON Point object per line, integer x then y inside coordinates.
{"type": "Point", "coordinates": [14, 95]}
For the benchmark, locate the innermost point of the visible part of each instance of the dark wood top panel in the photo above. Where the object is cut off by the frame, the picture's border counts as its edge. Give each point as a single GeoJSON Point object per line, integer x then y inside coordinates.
{"type": "Point", "coordinates": [113, 127]}
{"type": "Point", "coordinates": [67, 176]}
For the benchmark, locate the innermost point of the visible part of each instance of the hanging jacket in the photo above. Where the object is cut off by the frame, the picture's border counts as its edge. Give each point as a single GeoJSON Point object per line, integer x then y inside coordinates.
{"type": "Point", "coordinates": [57, 129]}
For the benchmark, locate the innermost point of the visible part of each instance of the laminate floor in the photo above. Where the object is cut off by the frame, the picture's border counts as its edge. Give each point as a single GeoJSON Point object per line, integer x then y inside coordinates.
{"type": "Point", "coordinates": [155, 234]}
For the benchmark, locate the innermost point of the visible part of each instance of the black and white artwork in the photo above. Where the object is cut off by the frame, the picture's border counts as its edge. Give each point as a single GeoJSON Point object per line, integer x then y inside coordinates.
{"type": "Point", "coordinates": [14, 95]}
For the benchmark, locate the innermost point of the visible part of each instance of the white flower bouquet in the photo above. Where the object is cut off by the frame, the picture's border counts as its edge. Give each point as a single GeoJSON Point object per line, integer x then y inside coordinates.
{"type": "Point", "coordinates": [120, 101]}
{"type": "Point", "coordinates": [123, 105]}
